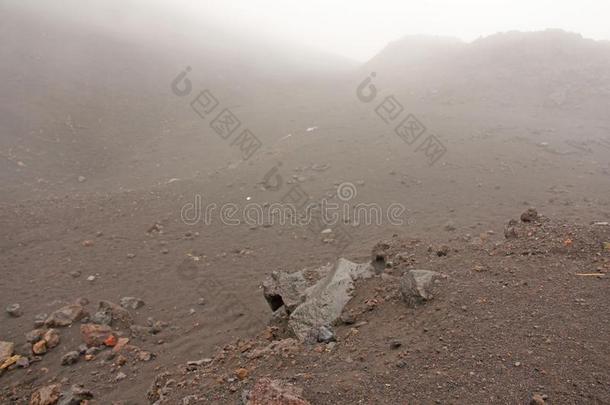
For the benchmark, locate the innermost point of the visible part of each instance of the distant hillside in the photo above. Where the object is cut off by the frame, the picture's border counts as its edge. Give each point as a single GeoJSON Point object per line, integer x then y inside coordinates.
{"type": "Point", "coordinates": [551, 68]}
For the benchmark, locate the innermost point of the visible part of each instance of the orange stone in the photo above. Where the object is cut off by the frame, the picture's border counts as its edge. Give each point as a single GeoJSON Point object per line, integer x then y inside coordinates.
{"type": "Point", "coordinates": [242, 373]}
{"type": "Point", "coordinates": [110, 341]}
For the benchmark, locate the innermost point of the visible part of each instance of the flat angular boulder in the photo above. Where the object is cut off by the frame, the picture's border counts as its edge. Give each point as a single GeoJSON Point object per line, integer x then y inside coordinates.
{"type": "Point", "coordinates": [325, 300]}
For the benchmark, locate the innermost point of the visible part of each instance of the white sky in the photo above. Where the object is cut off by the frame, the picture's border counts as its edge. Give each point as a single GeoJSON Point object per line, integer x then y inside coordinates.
{"type": "Point", "coordinates": [359, 29]}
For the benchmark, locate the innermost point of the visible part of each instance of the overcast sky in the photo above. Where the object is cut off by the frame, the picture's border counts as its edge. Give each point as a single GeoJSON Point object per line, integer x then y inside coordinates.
{"type": "Point", "coordinates": [357, 29]}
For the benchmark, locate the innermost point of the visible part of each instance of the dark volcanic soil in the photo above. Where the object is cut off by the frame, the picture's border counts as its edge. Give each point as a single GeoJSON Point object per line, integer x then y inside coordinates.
{"type": "Point", "coordinates": [513, 318]}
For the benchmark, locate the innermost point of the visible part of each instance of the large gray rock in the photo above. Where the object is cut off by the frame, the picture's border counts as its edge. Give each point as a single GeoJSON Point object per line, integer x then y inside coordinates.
{"type": "Point", "coordinates": [285, 289]}
{"type": "Point", "coordinates": [325, 300]}
{"type": "Point", "coordinates": [418, 286]}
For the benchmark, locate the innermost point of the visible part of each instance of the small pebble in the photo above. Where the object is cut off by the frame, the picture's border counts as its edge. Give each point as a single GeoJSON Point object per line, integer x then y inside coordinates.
{"type": "Point", "coordinates": [14, 310]}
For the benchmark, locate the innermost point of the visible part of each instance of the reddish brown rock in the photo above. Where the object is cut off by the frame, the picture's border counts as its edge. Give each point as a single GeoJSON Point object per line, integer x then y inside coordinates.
{"type": "Point", "coordinates": [95, 335]}
{"type": "Point", "coordinates": [121, 343]}
{"type": "Point", "coordinates": [274, 392]}
{"type": "Point", "coordinates": [48, 395]}
{"type": "Point", "coordinates": [51, 337]}
{"type": "Point", "coordinates": [39, 347]}
{"type": "Point", "coordinates": [242, 373]}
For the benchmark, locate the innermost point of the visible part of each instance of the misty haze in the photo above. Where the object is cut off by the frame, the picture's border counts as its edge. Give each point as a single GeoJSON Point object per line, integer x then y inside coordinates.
{"type": "Point", "coordinates": [304, 203]}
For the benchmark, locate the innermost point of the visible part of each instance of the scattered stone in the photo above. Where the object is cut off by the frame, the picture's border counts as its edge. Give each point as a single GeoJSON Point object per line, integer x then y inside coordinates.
{"type": "Point", "coordinates": [92, 351]}
{"type": "Point", "coordinates": [77, 395]}
{"type": "Point", "coordinates": [530, 215]}
{"type": "Point", "coordinates": [348, 319]}
{"type": "Point", "coordinates": [14, 310]}
{"type": "Point", "coordinates": [95, 335]}
{"type": "Point", "coordinates": [510, 230]}
{"type": "Point", "coordinates": [40, 319]}
{"type": "Point", "coordinates": [35, 335]}
{"type": "Point", "coordinates": [82, 179]}
{"type": "Point", "coordinates": [48, 395]}
{"type": "Point", "coordinates": [22, 362]}
{"type": "Point", "coordinates": [131, 303]}
{"type": "Point", "coordinates": [101, 318]}
{"type": "Point", "coordinates": [145, 356]}
{"type": "Point", "coordinates": [325, 335]}
{"type": "Point", "coordinates": [120, 376]}
{"type": "Point", "coordinates": [198, 363]}
{"type": "Point", "coordinates": [157, 327]}
{"type": "Point", "coordinates": [416, 286]}
{"type": "Point", "coordinates": [120, 360]}
{"type": "Point", "coordinates": [242, 373]}
{"type": "Point", "coordinates": [69, 358]}
{"type": "Point", "coordinates": [9, 362]}
{"type": "Point", "coordinates": [273, 392]}
{"type": "Point", "coordinates": [87, 243]}
{"type": "Point", "coordinates": [120, 344]}
{"type": "Point", "coordinates": [110, 341]}
{"type": "Point", "coordinates": [190, 400]}
{"type": "Point", "coordinates": [443, 250]}
{"type": "Point", "coordinates": [39, 347]}
{"type": "Point", "coordinates": [91, 279]}
{"type": "Point", "coordinates": [6, 350]}
{"type": "Point", "coordinates": [65, 316]}
{"type": "Point", "coordinates": [449, 226]}
{"type": "Point", "coordinates": [131, 255]}
{"type": "Point", "coordinates": [51, 337]}
{"type": "Point", "coordinates": [395, 344]}
{"type": "Point", "coordinates": [118, 314]}
{"type": "Point", "coordinates": [75, 273]}
{"type": "Point", "coordinates": [537, 399]}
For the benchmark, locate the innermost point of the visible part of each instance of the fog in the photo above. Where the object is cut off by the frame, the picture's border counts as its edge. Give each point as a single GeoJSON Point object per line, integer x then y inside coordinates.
{"type": "Point", "coordinates": [352, 29]}
{"type": "Point", "coordinates": [304, 202]}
